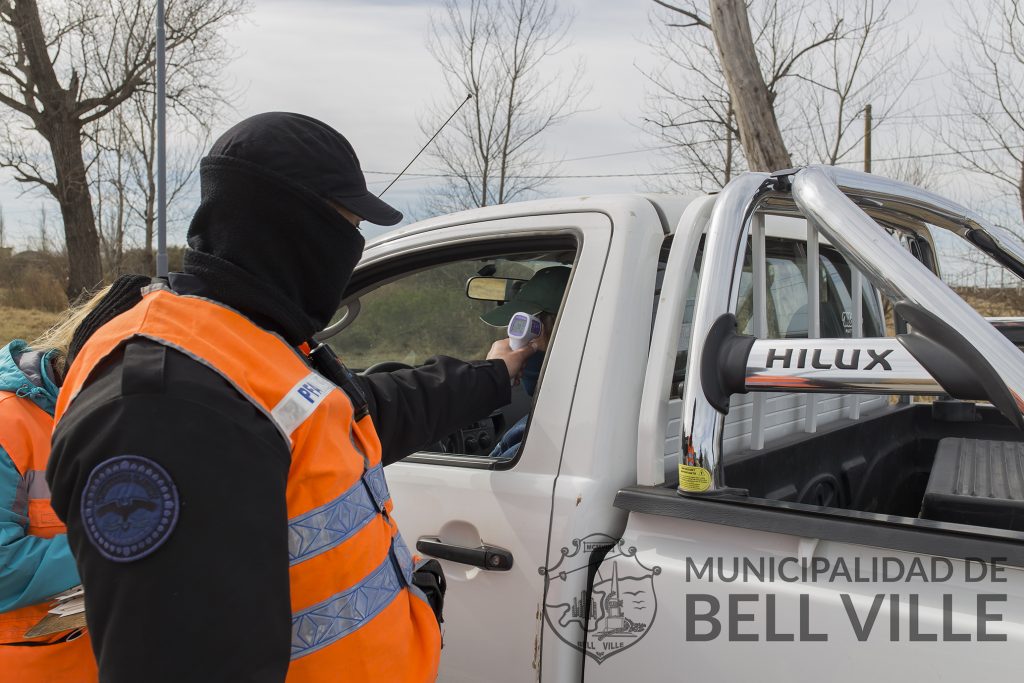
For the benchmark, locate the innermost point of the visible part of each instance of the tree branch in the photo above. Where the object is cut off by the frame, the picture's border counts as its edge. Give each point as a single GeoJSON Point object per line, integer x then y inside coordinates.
{"type": "Point", "coordinates": [695, 18]}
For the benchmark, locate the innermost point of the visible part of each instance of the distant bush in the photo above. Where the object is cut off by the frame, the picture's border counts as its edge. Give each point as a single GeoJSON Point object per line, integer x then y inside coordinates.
{"type": "Point", "coordinates": [39, 289]}
{"type": "Point", "coordinates": [38, 279]}
{"type": "Point", "coordinates": [34, 279]}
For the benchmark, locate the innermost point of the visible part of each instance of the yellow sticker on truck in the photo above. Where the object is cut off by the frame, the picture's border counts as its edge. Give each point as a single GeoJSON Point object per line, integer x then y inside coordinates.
{"type": "Point", "coordinates": [692, 478]}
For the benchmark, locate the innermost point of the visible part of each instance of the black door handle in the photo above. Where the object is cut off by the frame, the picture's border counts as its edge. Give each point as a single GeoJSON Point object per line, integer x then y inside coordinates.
{"type": "Point", "coordinates": [489, 557]}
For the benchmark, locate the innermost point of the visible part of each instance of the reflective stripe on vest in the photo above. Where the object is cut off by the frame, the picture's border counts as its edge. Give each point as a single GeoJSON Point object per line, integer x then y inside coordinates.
{"type": "Point", "coordinates": [325, 527]}
{"type": "Point", "coordinates": [349, 570]}
{"type": "Point", "coordinates": [25, 437]}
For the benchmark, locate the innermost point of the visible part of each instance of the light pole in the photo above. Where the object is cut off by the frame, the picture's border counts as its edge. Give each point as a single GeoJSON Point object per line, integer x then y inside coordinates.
{"type": "Point", "coordinates": [161, 145]}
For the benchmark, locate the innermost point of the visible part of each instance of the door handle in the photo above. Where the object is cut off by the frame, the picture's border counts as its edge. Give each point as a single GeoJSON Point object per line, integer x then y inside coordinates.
{"type": "Point", "coordinates": [489, 557]}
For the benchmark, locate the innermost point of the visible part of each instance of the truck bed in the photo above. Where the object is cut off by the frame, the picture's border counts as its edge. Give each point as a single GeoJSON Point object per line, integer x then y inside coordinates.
{"type": "Point", "coordinates": [879, 464]}
{"type": "Point", "coordinates": [856, 481]}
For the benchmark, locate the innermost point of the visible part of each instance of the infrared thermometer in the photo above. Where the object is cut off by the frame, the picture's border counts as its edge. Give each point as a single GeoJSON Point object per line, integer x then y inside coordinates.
{"type": "Point", "coordinates": [522, 328]}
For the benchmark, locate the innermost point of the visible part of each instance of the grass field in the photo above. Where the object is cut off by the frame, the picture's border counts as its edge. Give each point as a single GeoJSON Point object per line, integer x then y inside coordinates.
{"type": "Point", "coordinates": [23, 323]}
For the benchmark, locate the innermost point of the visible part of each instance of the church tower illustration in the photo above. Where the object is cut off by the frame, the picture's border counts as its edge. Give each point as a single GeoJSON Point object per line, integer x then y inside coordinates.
{"type": "Point", "coordinates": [614, 620]}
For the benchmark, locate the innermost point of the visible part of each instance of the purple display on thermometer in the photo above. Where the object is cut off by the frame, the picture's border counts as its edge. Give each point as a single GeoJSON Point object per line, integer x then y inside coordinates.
{"type": "Point", "coordinates": [522, 328]}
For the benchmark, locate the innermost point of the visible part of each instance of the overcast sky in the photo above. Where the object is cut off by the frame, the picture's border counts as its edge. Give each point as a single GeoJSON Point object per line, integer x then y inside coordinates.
{"type": "Point", "coordinates": [363, 67]}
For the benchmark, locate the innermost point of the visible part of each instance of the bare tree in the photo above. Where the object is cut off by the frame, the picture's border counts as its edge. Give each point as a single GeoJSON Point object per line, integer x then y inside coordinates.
{"type": "Point", "coordinates": [126, 144]}
{"type": "Point", "coordinates": [985, 125]}
{"type": "Point", "coordinates": [499, 53]}
{"type": "Point", "coordinates": [68, 65]}
{"type": "Point", "coordinates": [688, 104]}
{"type": "Point", "coordinates": [3, 228]}
{"type": "Point", "coordinates": [110, 187]}
{"type": "Point", "coordinates": [905, 162]}
{"type": "Point", "coordinates": [124, 177]}
{"type": "Point", "coordinates": [819, 64]}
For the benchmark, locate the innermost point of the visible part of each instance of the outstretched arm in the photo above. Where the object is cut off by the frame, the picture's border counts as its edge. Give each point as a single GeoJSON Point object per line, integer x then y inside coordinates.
{"type": "Point", "coordinates": [415, 407]}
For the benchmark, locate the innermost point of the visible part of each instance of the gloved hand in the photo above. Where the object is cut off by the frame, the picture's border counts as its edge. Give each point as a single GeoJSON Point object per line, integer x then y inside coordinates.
{"type": "Point", "coordinates": [429, 578]}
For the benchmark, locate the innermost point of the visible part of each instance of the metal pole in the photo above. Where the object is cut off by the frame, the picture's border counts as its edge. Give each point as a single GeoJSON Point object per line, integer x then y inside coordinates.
{"type": "Point", "coordinates": [728, 144]}
{"type": "Point", "coordinates": [161, 144]}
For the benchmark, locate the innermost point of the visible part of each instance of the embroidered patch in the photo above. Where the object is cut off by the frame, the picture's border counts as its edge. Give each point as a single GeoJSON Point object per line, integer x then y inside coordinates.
{"type": "Point", "coordinates": [129, 507]}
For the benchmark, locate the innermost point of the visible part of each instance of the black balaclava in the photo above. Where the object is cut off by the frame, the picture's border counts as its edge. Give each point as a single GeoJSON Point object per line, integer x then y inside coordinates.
{"type": "Point", "coordinates": [265, 240]}
{"type": "Point", "coordinates": [270, 248]}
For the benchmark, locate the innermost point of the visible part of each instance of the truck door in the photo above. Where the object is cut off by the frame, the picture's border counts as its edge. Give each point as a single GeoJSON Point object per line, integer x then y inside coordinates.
{"type": "Point", "coordinates": [487, 519]}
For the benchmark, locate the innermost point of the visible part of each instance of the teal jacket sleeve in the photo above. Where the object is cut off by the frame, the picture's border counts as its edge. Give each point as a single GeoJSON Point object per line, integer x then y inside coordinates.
{"type": "Point", "coordinates": [32, 569]}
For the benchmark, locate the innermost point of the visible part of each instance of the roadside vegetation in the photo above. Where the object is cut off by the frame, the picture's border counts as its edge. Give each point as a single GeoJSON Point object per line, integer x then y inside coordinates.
{"type": "Point", "coordinates": [33, 287]}
{"type": "Point", "coordinates": [438, 317]}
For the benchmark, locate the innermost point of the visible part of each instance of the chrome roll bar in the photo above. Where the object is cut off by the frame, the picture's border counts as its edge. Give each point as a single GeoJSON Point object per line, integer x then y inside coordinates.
{"type": "Point", "coordinates": [844, 205]}
{"type": "Point", "coordinates": [895, 271]}
{"type": "Point", "coordinates": [880, 197]}
{"type": "Point", "coordinates": [725, 245]}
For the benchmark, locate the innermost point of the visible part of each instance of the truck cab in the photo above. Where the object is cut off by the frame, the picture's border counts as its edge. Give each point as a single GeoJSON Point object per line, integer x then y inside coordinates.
{"type": "Point", "coordinates": [673, 460]}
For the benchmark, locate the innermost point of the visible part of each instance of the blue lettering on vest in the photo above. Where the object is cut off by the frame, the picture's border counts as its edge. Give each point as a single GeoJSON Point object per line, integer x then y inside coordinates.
{"type": "Point", "coordinates": [310, 392]}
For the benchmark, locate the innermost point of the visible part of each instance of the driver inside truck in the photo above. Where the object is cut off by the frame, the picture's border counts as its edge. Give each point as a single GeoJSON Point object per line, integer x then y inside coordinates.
{"type": "Point", "coordinates": [540, 296]}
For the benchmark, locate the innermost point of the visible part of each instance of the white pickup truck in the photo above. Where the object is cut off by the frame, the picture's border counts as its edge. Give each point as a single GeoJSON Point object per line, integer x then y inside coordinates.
{"type": "Point", "coordinates": [718, 481]}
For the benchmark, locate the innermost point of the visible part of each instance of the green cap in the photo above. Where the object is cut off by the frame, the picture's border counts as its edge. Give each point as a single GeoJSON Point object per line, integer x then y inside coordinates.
{"type": "Point", "coordinates": [542, 293]}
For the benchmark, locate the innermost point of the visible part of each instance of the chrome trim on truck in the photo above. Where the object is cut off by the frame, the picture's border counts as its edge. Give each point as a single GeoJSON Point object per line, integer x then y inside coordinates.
{"type": "Point", "coordinates": [847, 207]}
{"type": "Point", "coordinates": [895, 271]}
{"type": "Point", "coordinates": [867, 366]}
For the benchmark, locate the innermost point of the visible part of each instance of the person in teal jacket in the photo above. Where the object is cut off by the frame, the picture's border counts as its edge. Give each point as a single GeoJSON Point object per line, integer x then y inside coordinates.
{"type": "Point", "coordinates": [32, 568]}
{"type": "Point", "coordinates": [35, 559]}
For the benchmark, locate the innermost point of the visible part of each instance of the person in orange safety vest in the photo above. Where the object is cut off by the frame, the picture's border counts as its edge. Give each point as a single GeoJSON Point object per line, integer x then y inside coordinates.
{"type": "Point", "coordinates": [222, 474]}
{"type": "Point", "coordinates": [35, 559]}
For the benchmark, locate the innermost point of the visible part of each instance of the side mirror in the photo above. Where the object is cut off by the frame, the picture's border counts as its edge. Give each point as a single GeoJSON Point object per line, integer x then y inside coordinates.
{"type": "Point", "coordinates": [492, 288]}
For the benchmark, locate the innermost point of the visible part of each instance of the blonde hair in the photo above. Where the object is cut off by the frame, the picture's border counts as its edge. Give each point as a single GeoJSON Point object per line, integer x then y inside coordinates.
{"type": "Point", "coordinates": [58, 337]}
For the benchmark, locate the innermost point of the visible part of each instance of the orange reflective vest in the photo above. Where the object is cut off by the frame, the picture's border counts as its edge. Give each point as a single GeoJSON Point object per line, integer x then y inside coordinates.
{"type": "Point", "coordinates": [355, 613]}
{"type": "Point", "coordinates": [25, 435]}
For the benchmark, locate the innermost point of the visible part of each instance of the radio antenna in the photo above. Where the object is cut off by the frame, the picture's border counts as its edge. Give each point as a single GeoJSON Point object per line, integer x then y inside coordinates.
{"type": "Point", "coordinates": [469, 96]}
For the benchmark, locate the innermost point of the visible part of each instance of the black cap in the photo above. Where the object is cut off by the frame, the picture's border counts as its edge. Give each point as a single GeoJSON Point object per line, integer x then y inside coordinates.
{"type": "Point", "coordinates": [310, 153]}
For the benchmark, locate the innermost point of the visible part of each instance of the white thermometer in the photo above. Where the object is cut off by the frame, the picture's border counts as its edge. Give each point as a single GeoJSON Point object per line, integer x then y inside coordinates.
{"type": "Point", "coordinates": [522, 328]}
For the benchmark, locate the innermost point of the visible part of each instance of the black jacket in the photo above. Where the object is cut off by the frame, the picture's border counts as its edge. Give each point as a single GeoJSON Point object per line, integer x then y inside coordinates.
{"type": "Point", "coordinates": [212, 603]}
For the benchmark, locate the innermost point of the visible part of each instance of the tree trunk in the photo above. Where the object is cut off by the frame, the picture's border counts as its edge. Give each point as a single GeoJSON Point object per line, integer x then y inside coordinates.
{"type": "Point", "coordinates": [1020, 189]}
{"type": "Point", "coordinates": [63, 131]}
{"type": "Point", "coordinates": [752, 103]}
{"type": "Point", "coordinates": [85, 269]}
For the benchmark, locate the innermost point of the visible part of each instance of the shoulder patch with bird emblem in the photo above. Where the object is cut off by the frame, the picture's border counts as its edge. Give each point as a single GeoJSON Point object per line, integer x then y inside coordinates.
{"type": "Point", "coordinates": [129, 507]}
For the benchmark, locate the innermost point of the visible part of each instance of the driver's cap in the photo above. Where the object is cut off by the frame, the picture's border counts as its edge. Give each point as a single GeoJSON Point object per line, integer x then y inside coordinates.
{"type": "Point", "coordinates": [541, 294]}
